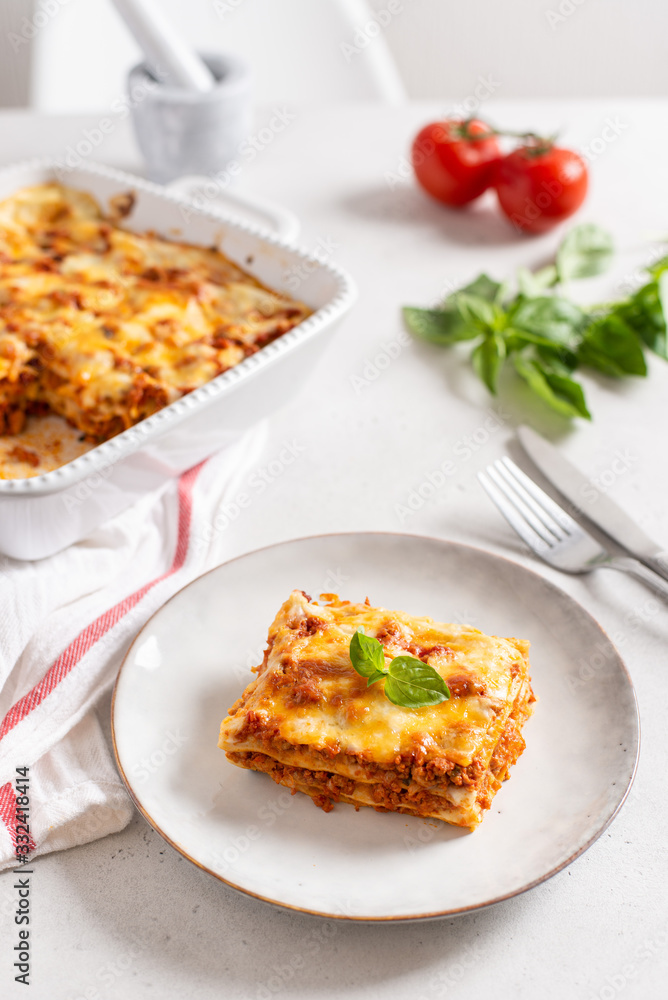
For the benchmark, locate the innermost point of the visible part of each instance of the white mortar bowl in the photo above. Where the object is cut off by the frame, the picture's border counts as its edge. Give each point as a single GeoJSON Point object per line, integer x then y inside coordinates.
{"type": "Point", "coordinates": [184, 132]}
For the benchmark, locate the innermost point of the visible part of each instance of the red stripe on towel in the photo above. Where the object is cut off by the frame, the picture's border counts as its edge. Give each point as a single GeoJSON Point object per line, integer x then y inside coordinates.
{"type": "Point", "coordinates": [94, 632]}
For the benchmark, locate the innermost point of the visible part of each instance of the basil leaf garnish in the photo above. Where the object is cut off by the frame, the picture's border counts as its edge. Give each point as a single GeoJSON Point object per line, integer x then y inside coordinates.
{"type": "Point", "coordinates": [377, 676]}
{"type": "Point", "coordinates": [409, 682]}
{"type": "Point", "coordinates": [367, 655]}
{"type": "Point", "coordinates": [414, 684]}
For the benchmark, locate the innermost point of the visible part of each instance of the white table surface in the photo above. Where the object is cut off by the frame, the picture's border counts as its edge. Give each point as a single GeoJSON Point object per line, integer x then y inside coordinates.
{"type": "Point", "coordinates": [127, 917]}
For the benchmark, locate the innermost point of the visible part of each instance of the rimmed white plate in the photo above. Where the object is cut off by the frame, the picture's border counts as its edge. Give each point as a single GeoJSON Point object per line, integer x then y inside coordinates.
{"type": "Point", "coordinates": [192, 660]}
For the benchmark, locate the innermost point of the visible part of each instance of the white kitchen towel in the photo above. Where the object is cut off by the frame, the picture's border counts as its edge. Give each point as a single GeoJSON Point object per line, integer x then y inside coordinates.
{"type": "Point", "coordinates": [65, 625]}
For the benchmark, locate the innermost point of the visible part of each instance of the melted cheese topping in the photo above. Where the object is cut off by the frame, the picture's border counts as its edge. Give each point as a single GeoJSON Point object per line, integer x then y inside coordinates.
{"type": "Point", "coordinates": [309, 695]}
{"type": "Point", "coordinates": [105, 326]}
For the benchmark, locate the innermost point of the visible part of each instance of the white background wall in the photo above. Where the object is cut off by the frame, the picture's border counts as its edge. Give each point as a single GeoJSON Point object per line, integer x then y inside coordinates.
{"type": "Point", "coordinates": [597, 48]}
{"type": "Point", "coordinates": [529, 47]}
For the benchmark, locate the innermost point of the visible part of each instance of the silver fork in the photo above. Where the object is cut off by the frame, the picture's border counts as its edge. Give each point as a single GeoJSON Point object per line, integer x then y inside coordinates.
{"type": "Point", "coordinates": [549, 531]}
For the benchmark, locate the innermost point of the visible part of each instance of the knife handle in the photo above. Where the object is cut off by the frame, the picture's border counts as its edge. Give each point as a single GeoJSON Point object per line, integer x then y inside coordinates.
{"type": "Point", "coordinates": [641, 572]}
{"type": "Point", "coordinates": [659, 563]}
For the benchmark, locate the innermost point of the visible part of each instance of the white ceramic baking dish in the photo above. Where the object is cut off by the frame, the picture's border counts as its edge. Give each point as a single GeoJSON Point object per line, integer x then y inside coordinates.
{"type": "Point", "coordinates": [44, 514]}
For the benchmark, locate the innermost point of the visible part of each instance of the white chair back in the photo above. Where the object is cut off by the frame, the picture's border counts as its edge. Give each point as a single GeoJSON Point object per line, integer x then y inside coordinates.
{"type": "Point", "coordinates": [303, 52]}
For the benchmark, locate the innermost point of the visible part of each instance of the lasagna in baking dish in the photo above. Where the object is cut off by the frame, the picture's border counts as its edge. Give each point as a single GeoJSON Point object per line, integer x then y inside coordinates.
{"type": "Point", "coordinates": [312, 723]}
{"type": "Point", "coordinates": [104, 326]}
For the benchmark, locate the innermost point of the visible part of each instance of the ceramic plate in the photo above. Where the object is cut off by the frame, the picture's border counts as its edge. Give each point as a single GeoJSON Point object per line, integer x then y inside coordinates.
{"type": "Point", "coordinates": [193, 658]}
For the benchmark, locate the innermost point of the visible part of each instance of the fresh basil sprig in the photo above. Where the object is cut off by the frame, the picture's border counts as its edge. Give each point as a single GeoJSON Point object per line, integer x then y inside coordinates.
{"type": "Point", "coordinates": [586, 251]}
{"type": "Point", "coordinates": [545, 335]}
{"type": "Point", "coordinates": [408, 681]}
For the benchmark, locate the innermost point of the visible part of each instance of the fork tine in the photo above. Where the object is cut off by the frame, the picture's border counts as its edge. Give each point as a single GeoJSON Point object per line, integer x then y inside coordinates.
{"type": "Point", "coordinates": [513, 516]}
{"type": "Point", "coordinates": [537, 523]}
{"type": "Point", "coordinates": [510, 471]}
{"type": "Point", "coordinates": [545, 501]}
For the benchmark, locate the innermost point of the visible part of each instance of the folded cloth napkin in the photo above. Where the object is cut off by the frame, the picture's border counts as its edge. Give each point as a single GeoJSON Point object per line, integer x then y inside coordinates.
{"type": "Point", "coordinates": [65, 624]}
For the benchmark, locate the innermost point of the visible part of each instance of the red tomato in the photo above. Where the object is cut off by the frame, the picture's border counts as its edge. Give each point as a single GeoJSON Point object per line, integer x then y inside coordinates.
{"type": "Point", "coordinates": [538, 187]}
{"type": "Point", "coordinates": [452, 167]}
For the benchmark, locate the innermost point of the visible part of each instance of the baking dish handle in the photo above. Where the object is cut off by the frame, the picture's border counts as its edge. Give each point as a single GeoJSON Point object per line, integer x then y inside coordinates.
{"type": "Point", "coordinates": [245, 207]}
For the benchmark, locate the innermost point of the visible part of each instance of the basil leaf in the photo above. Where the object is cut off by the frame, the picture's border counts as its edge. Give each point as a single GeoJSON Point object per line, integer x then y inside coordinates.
{"type": "Point", "coordinates": [505, 288]}
{"type": "Point", "coordinates": [657, 269]}
{"type": "Point", "coordinates": [478, 312]}
{"type": "Point", "coordinates": [546, 334]}
{"type": "Point", "coordinates": [586, 251]}
{"type": "Point", "coordinates": [568, 390]}
{"type": "Point", "coordinates": [488, 357]}
{"type": "Point", "coordinates": [533, 283]}
{"type": "Point", "coordinates": [367, 655]}
{"type": "Point", "coordinates": [557, 360]}
{"type": "Point", "coordinates": [377, 676]}
{"type": "Point", "coordinates": [549, 316]}
{"type": "Point", "coordinates": [517, 339]}
{"type": "Point", "coordinates": [553, 354]}
{"type": "Point", "coordinates": [611, 346]}
{"type": "Point", "coordinates": [414, 684]}
{"type": "Point", "coordinates": [658, 343]}
{"type": "Point", "coordinates": [527, 284]}
{"type": "Point", "coordinates": [439, 326]}
{"type": "Point", "coordinates": [561, 393]}
{"type": "Point", "coordinates": [646, 311]}
{"type": "Point", "coordinates": [482, 288]}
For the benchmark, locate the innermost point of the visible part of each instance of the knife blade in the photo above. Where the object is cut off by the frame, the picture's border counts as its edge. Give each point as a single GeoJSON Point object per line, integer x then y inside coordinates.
{"type": "Point", "coordinates": [590, 501]}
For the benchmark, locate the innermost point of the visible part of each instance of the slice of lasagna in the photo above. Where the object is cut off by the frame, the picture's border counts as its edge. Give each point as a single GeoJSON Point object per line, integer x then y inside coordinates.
{"type": "Point", "coordinates": [310, 721]}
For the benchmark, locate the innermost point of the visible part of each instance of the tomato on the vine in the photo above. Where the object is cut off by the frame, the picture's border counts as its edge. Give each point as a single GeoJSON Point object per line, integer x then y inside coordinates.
{"type": "Point", "coordinates": [540, 185]}
{"type": "Point", "coordinates": [454, 160]}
